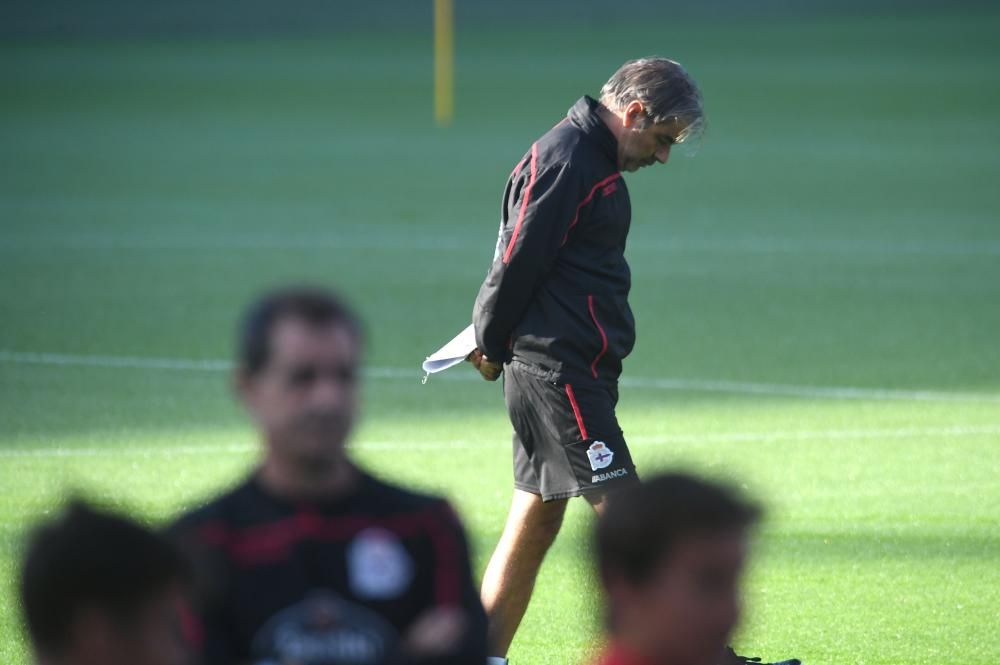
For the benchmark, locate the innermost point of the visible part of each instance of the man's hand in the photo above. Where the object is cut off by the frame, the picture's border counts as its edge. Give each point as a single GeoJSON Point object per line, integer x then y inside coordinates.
{"type": "Point", "coordinates": [489, 369]}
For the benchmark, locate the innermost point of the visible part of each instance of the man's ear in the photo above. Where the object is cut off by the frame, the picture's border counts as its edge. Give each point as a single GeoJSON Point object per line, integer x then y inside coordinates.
{"type": "Point", "coordinates": [632, 117]}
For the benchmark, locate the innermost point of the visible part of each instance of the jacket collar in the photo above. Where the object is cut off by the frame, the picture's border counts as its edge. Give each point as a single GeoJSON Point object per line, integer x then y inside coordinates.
{"type": "Point", "coordinates": [584, 115]}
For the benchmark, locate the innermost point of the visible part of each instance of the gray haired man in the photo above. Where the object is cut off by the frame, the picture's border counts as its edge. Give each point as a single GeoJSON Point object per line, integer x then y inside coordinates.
{"type": "Point", "coordinates": [553, 312]}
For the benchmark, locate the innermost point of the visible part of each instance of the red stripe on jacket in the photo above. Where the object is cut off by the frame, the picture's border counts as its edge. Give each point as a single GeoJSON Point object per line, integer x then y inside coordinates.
{"type": "Point", "coordinates": [604, 337]}
{"type": "Point", "coordinates": [268, 543]}
{"type": "Point", "coordinates": [517, 168]}
{"type": "Point", "coordinates": [524, 204]}
{"type": "Point", "coordinates": [576, 218]}
{"type": "Point", "coordinates": [576, 411]}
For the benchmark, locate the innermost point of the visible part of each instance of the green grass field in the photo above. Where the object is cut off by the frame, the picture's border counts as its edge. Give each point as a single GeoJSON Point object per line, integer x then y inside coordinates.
{"type": "Point", "coordinates": [817, 294]}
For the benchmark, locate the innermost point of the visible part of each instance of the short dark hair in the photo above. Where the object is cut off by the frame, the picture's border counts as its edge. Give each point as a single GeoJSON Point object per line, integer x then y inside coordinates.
{"type": "Point", "coordinates": [643, 523]}
{"type": "Point", "coordinates": [312, 305]}
{"type": "Point", "coordinates": [89, 558]}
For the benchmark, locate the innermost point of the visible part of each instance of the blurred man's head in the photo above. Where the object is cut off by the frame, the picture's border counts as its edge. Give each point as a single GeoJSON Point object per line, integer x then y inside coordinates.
{"type": "Point", "coordinates": [670, 553]}
{"type": "Point", "coordinates": [298, 367]}
{"type": "Point", "coordinates": [98, 589]}
{"type": "Point", "coordinates": [652, 105]}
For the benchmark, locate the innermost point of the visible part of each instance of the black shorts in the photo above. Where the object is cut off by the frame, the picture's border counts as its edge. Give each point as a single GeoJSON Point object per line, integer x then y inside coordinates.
{"type": "Point", "coordinates": [567, 441]}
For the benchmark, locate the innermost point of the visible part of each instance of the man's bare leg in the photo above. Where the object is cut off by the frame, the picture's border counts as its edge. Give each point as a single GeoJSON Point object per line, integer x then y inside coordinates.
{"type": "Point", "coordinates": [510, 577]}
{"type": "Point", "coordinates": [598, 502]}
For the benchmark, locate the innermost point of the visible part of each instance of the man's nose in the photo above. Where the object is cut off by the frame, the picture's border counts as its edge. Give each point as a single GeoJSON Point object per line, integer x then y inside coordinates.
{"type": "Point", "coordinates": [328, 392]}
{"type": "Point", "coordinates": [663, 154]}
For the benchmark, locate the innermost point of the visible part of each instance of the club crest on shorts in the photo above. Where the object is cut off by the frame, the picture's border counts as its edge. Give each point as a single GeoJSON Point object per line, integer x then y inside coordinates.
{"type": "Point", "coordinates": [378, 565]}
{"type": "Point", "coordinates": [600, 455]}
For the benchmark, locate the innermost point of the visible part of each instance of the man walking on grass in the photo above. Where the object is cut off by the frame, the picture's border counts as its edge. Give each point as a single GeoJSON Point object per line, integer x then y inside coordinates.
{"type": "Point", "coordinates": [553, 312]}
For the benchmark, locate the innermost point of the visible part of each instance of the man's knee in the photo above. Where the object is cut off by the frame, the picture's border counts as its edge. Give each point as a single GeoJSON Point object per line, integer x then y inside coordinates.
{"type": "Point", "coordinates": [550, 520]}
{"type": "Point", "coordinates": [537, 521]}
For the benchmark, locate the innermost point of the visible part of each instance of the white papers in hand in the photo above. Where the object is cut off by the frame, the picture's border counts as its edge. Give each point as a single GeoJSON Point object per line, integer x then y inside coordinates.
{"type": "Point", "coordinates": [452, 353]}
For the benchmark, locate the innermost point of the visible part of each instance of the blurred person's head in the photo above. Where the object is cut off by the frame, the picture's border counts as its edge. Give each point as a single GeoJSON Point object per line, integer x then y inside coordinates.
{"type": "Point", "coordinates": [670, 554]}
{"type": "Point", "coordinates": [298, 374]}
{"type": "Point", "coordinates": [651, 104]}
{"type": "Point", "coordinates": [98, 589]}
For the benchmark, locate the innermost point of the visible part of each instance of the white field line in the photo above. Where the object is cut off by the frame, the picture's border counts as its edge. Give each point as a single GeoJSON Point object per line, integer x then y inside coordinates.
{"type": "Point", "coordinates": [137, 451]}
{"type": "Point", "coordinates": [826, 392]}
{"type": "Point", "coordinates": [124, 362]}
{"type": "Point", "coordinates": [820, 435]}
{"type": "Point", "coordinates": [671, 384]}
{"type": "Point", "coordinates": [353, 239]}
{"type": "Point", "coordinates": [461, 444]}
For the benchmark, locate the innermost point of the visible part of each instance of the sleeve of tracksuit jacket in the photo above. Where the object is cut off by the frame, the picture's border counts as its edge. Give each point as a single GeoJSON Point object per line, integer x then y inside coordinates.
{"type": "Point", "coordinates": [540, 203]}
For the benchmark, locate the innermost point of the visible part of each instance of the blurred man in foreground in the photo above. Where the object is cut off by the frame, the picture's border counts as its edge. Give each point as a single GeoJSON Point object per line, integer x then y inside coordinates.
{"type": "Point", "coordinates": [98, 589]}
{"type": "Point", "coordinates": [670, 555]}
{"type": "Point", "coordinates": [311, 560]}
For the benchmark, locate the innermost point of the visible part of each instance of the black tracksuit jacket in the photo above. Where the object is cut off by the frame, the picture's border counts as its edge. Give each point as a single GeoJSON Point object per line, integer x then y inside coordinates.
{"type": "Point", "coordinates": [324, 582]}
{"type": "Point", "coordinates": [556, 296]}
